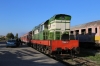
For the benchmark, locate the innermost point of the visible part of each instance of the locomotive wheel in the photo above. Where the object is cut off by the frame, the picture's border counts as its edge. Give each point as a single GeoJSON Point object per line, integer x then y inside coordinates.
{"type": "Point", "coordinates": [47, 51]}
{"type": "Point", "coordinates": [37, 47]}
{"type": "Point", "coordinates": [41, 49]}
{"type": "Point", "coordinates": [32, 45]}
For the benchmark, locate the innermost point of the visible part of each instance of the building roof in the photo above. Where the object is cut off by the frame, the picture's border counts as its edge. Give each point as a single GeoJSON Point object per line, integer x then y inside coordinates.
{"type": "Point", "coordinates": [93, 23]}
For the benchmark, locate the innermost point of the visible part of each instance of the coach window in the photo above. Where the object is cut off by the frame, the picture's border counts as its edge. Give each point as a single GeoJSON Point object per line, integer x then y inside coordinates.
{"type": "Point", "coordinates": [89, 30]}
{"type": "Point", "coordinates": [77, 32]}
{"type": "Point", "coordinates": [96, 30]}
{"type": "Point", "coordinates": [83, 31]}
{"type": "Point", "coordinates": [72, 37]}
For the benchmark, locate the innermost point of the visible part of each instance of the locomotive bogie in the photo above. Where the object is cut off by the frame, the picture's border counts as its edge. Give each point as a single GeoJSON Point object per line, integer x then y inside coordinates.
{"type": "Point", "coordinates": [52, 46]}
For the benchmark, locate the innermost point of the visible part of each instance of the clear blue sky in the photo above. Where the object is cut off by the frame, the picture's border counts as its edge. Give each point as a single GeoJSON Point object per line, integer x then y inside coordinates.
{"type": "Point", "coordinates": [20, 16]}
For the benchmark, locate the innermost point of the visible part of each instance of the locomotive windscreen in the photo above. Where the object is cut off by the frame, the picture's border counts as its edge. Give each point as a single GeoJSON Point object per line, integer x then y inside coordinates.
{"type": "Point", "coordinates": [65, 37]}
{"type": "Point", "coordinates": [63, 17]}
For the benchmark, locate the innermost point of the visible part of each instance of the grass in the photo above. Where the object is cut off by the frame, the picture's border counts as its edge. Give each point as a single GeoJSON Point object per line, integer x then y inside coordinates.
{"type": "Point", "coordinates": [90, 55]}
{"type": "Point", "coordinates": [95, 58]}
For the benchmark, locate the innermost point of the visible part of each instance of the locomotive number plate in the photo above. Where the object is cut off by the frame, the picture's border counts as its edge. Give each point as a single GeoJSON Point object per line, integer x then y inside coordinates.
{"type": "Point", "coordinates": [64, 42]}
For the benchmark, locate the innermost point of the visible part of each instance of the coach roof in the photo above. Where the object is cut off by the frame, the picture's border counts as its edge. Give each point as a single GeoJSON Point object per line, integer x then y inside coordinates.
{"type": "Point", "coordinates": [93, 23]}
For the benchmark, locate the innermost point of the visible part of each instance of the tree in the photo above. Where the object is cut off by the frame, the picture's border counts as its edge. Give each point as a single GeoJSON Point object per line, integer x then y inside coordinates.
{"type": "Point", "coordinates": [10, 36]}
{"type": "Point", "coordinates": [2, 37]}
{"type": "Point", "coordinates": [16, 36]}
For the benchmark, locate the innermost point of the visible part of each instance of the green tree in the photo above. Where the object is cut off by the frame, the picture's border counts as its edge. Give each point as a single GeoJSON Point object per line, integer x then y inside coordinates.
{"type": "Point", "coordinates": [3, 38]}
{"type": "Point", "coordinates": [16, 36]}
{"type": "Point", "coordinates": [10, 36]}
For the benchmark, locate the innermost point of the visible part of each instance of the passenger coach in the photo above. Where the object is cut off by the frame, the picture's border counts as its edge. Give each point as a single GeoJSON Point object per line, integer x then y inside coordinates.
{"type": "Point", "coordinates": [88, 34]}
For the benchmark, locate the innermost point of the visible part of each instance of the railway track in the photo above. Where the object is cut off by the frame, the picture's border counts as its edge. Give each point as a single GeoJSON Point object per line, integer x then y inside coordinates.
{"type": "Point", "coordinates": [98, 49]}
{"type": "Point", "coordinates": [77, 61]}
{"type": "Point", "coordinates": [69, 61]}
{"type": "Point", "coordinates": [80, 62]}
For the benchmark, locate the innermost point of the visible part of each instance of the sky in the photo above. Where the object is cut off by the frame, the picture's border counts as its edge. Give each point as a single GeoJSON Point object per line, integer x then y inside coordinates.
{"type": "Point", "coordinates": [21, 16]}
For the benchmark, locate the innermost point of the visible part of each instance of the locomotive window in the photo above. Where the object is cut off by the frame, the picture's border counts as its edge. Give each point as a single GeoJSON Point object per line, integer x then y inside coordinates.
{"type": "Point", "coordinates": [41, 27]}
{"type": "Point", "coordinates": [65, 37]}
{"type": "Point", "coordinates": [95, 30]}
{"type": "Point", "coordinates": [72, 32]}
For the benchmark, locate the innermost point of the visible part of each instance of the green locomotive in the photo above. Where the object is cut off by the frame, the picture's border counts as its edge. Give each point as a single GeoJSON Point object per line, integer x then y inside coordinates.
{"type": "Point", "coordinates": [53, 28]}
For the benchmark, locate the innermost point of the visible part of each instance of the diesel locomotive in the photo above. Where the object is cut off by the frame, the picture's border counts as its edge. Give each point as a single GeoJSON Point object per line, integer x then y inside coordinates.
{"type": "Point", "coordinates": [53, 36]}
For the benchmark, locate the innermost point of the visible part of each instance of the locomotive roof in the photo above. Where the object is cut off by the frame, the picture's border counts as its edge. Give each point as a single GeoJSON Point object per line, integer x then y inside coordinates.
{"type": "Point", "coordinates": [58, 15]}
{"type": "Point", "coordinates": [48, 20]}
{"type": "Point", "coordinates": [40, 24]}
{"type": "Point", "coordinates": [54, 17]}
{"type": "Point", "coordinates": [93, 23]}
{"type": "Point", "coordinates": [44, 22]}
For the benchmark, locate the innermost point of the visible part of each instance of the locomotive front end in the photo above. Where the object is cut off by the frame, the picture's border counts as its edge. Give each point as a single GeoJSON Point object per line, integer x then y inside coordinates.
{"type": "Point", "coordinates": [59, 33]}
{"type": "Point", "coordinates": [53, 36]}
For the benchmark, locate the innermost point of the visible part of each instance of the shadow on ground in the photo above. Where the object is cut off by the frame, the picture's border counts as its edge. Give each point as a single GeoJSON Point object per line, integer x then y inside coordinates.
{"type": "Point", "coordinates": [24, 58]}
{"type": "Point", "coordinates": [27, 57]}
